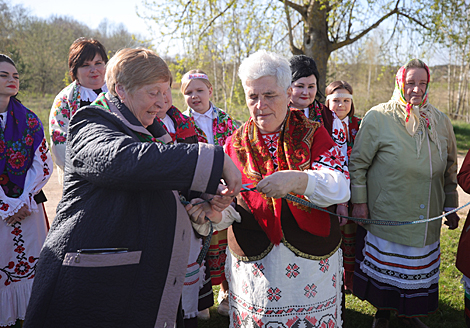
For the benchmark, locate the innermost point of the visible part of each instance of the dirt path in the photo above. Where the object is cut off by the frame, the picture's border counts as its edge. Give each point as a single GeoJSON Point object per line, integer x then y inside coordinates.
{"type": "Point", "coordinates": [53, 191]}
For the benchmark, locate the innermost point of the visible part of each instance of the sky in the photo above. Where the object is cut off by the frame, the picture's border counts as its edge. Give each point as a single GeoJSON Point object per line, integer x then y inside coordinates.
{"type": "Point", "coordinates": [90, 12]}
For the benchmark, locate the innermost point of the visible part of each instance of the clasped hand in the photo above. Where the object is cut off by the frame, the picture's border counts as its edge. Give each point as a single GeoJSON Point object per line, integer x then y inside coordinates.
{"type": "Point", "coordinates": [18, 216]}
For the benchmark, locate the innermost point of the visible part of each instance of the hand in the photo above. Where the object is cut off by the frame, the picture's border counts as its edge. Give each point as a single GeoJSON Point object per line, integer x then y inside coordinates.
{"type": "Point", "coordinates": [281, 183]}
{"type": "Point", "coordinates": [232, 177]}
{"type": "Point", "coordinates": [342, 210]}
{"type": "Point", "coordinates": [360, 211]}
{"type": "Point", "coordinates": [219, 202]}
{"type": "Point", "coordinates": [452, 220]}
{"type": "Point", "coordinates": [19, 216]}
{"type": "Point", "coordinates": [198, 213]}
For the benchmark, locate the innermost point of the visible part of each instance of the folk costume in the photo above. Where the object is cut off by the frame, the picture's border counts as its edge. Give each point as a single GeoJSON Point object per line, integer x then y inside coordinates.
{"type": "Point", "coordinates": [462, 262]}
{"type": "Point", "coordinates": [180, 127]}
{"type": "Point", "coordinates": [285, 261]}
{"type": "Point", "coordinates": [214, 127]}
{"type": "Point", "coordinates": [66, 103]}
{"type": "Point", "coordinates": [404, 166]}
{"type": "Point", "coordinates": [343, 132]}
{"type": "Point", "coordinates": [26, 166]}
{"type": "Point", "coordinates": [119, 193]}
{"type": "Point", "coordinates": [313, 111]}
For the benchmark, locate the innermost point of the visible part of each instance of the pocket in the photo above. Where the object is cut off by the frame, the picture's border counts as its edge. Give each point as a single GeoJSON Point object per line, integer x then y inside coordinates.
{"type": "Point", "coordinates": [101, 260]}
{"type": "Point", "coordinates": [96, 286]}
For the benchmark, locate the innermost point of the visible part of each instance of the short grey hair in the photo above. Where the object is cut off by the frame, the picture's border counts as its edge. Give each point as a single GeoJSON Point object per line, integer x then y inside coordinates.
{"type": "Point", "coordinates": [264, 63]}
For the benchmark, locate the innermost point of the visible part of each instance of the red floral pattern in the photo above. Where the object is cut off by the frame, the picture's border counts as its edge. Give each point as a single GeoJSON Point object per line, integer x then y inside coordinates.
{"type": "Point", "coordinates": [24, 267]}
{"type": "Point", "coordinates": [222, 126]}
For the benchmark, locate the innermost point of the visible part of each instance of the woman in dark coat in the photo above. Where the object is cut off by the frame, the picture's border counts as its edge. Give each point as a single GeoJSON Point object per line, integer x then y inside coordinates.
{"type": "Point", "coordinates": [118, 247]}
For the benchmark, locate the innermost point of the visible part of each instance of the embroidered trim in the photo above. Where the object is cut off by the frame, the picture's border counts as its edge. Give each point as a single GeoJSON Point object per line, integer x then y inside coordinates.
{"type": "Point", "coordinates": [253, 258]}
{"type": "Point", "coordinates": [308, 256]}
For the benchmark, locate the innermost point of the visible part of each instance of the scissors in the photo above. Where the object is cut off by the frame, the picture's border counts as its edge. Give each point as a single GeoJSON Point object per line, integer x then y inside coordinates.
{"type": "Point", "coordinates": [248, 187]}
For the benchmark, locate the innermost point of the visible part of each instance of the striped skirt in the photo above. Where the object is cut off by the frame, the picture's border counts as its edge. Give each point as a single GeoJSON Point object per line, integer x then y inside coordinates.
{"type": "Point", "coordinates": [396, 277]}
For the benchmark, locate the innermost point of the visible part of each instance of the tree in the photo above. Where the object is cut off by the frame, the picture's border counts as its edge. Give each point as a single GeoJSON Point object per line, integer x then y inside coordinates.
{"type": "Point", "coordinates": [315, 28]}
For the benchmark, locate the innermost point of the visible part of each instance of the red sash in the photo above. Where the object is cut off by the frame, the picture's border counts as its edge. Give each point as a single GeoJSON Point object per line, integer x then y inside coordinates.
{"type": "Point", "coordinates": [300, 142]}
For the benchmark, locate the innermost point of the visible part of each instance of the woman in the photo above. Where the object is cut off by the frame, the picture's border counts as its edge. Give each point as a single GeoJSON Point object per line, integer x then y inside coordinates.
{"type": "Point", "coordinates": [463, 263]}
{"type": "Point", "coordinates": [213, 126]}
{"type": "Point", "coordinates": [403, 168]}
{"type": "Point", "coordinates": [118, 248]}
{"type": "Point", "coordinates": [25, 165]}
{"type": "Point", "coordinates": [305, 95]}
{"type": "Point", "coordinates": [342, 125]}
{"type": "Point", "coordinates": [285, 261]}
{"type": "Point", "coordinates": [87, 60]}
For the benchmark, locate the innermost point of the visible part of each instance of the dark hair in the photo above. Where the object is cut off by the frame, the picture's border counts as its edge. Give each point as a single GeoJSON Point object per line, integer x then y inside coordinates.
{"type": "Point", "coordinates": [336, 85]}
{"type": "Point", "coordinates": [5, 58]}
{"type": "Point", "coordinates": [84, 49]}
{"type": "Point", "coordinates": [304, 66]}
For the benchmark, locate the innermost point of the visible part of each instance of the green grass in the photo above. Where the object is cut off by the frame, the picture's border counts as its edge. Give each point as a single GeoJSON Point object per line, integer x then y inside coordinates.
{"type": "Point", "coordinates": [41, 106]}
{"type": "Point", "coordinates": [462, 134]}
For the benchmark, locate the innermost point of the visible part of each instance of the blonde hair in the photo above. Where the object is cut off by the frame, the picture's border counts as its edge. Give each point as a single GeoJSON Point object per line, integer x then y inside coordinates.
{"type": "Point", "coordinates": [185, 80]}
{"type": "Point", "coordinates": [135, 68]}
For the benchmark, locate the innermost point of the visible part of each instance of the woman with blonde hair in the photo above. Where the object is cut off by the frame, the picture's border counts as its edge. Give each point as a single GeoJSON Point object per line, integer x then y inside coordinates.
{"type": "Point", "coordinates": [342, 125]}
{"type": "Point", "coordinates": [213, 126]}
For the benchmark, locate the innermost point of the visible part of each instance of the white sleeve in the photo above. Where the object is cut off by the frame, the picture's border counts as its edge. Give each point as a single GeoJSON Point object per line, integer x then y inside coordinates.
{"type": "Point", "coordinates": [229, 215]}
{"type": "Point", "coordinates": [36, 177]}
{"type": "Point", "coordinates": [59, 118]}
{"type": "Point", "coordinates": [327, 187]}
{"type": "Point", "coordinates": [328, 180]}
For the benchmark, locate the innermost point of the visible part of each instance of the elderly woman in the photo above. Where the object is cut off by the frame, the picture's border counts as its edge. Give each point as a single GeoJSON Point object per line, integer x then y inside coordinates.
{"type": "Point", "coordinates": [87, 60]}
{"type": "Point", "coordinates": [403, 168]}
{"type": "Point", "coordinates": [305, 95]}
{"type": "Point", "coordinates": [285, 261]}
{"type": "Point", "coordinates": [117, 251]}
{"type": "Point", "coordinates": [25, 167]}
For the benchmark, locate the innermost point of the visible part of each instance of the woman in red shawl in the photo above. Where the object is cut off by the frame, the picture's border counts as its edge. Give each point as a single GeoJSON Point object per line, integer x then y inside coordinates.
{"type": "Point", "coordinates": [285, 262]}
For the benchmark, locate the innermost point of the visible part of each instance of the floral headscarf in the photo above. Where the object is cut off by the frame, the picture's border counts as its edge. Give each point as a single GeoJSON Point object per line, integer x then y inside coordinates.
{"type": "Point", "coordinates": [419, 117]}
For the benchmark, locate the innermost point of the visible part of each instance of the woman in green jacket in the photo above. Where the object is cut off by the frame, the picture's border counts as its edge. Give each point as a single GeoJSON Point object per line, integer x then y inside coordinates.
{"type": "Point", "coordinates": [403, 168]}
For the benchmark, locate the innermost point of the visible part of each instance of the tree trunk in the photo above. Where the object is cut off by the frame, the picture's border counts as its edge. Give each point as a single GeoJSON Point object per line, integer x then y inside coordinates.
{"type": "Point", "coordinates": [459, 89]}
{"type": "Point", "coordinates": [316, 43]}
{"type": "Point", "coordinates": [449, 109]}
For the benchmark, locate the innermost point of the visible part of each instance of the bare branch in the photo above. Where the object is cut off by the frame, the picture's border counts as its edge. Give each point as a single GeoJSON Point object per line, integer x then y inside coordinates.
{"type": "Point", "coordinates": [292, 47]}
{"type": "Point", "coordinates": [413, 19]}
{"type": "Point", "coordinates": [300, 9]}
{"type": "Point", "coordinates": [182, 14]}
{"type": "Point", "coordinates": [335, 46]}
{"type": "Point", "coordinates": [348, 33]}
{"type": "Point", "coordinates": [215, 18]}
{"type": "Point", "coordinates": [287, 34]}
